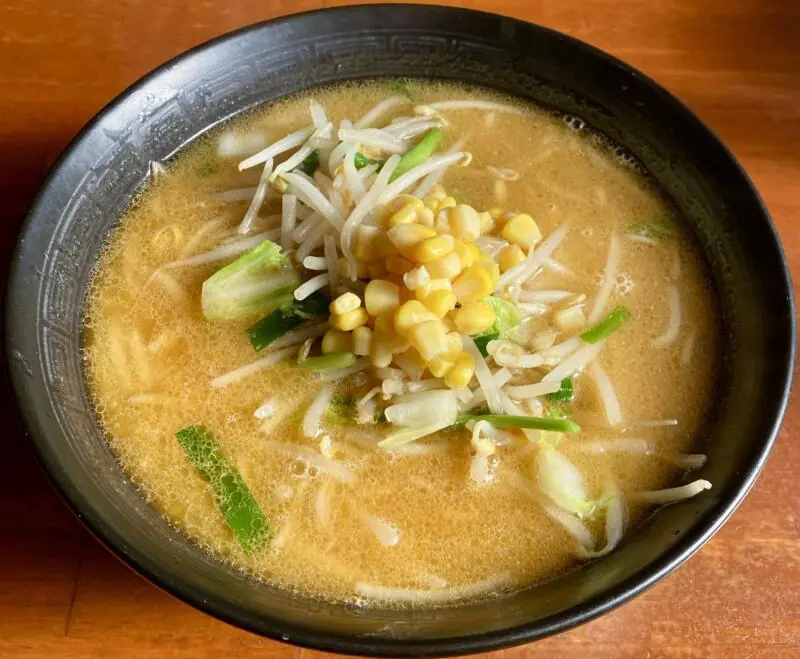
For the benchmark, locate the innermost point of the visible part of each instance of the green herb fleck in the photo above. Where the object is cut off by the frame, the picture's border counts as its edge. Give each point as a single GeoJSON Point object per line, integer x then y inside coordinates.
{"type": "Point", "coordinates": [310, 164]}
{"type": "Point", "coordinates": [565, 394]}
{"type": "Point", "coordinates": [657, 230]}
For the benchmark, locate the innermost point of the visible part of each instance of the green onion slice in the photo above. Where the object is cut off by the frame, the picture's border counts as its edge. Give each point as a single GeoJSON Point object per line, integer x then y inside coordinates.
{"type": "Point", "coordinates": [530, 422]}
{"type": "Point", "coordinates": [610, 324]}
{"type": "Point", "coordinates": [230, 492]}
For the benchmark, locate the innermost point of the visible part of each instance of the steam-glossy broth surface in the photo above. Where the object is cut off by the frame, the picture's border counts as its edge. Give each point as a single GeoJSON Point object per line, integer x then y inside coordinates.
{"type": "Point", "coordinates": [151, 355]}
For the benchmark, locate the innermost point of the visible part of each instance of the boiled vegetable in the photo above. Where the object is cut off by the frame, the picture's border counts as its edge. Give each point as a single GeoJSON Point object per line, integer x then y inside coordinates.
{"type": "Point", "coordinates": [230, 492]}
{"type": "Point", "coordinates": [257, 282]}
{"type": "Point", "coordinates": [607, 326]}
{"type": "Point", "coordinates": [506, 316]}
{"type": "Point", "coordinates": [418, 154]}
{"type": "Point", "coordinates": [362, 161]}
{"type": "Point", "coordinates": [328, 362]}
{"type": "Point", "coordinates": [530, 422]}
{"type": "Point", "coordinates": [289, 316]}
{"type": "Point", "coordinates": [310, 164]}
{"type": "Point", "coordinates": [565, 393]}
{"type": "Point", "coordinates": [655, 230]}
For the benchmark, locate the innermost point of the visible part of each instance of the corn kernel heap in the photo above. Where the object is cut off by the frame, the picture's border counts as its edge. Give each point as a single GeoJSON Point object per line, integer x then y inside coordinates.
{"type": "Point", "coordinates": [427, 282]}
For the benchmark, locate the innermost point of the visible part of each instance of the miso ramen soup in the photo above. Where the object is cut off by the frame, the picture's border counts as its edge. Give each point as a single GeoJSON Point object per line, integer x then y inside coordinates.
{"type": "Point", "coordinates": [404, 344]}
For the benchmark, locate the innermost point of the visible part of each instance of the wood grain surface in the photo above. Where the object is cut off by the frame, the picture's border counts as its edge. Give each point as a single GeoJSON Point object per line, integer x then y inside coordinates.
{"type": "Point", "coordinates": [736, 63]}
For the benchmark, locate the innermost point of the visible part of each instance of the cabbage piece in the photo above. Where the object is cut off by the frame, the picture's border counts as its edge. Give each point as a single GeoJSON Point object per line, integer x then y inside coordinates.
{"type": "Point", "coordinates": [257, 282]}
{"type": "Point", "coordinates": [424, 408]}
{"type": "Point", "coordinates": [563, 483]}
{"type": "Point", "coordinates": [506, 316]}
{"type": "Point", "coordinates": [616, 521]}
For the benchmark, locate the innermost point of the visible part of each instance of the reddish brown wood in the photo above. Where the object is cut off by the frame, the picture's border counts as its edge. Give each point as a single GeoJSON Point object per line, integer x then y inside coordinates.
{"type": "Point", "coordinates": [736, 63]}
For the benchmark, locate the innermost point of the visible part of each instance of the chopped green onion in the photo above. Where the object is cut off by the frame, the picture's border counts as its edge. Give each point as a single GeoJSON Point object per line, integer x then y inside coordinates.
{"type": "Point", "coordinates": [362, 161]}
{"type": "Point", "coordinates": [556, 412]}
{"type": "Point", "coordinates": [564, 394]}
{"type": "Point", "coordinates": [257, 282]}
{"type": "Point", "coordinates": [482, 340]}
{"type": "Point", "coordinates": [657, 230]}
{"type": "Point", "coordinates": [207, 169]}
{"type": "Point", "coordinates": [607, 326]}
{"type": "Point", "coordinates": [328, 362]}
{"type": "Point", "coordinates": [506, 316]}
{"type": "Point", "coordinates": [506, 313]}
{"type": "Point", "coordinates": [531, 422]}
{"type": "Point", "coordinates": [310, 164]}
{"type": "Point", "coordinates": [399, 85]}
{"type": "Point", "coordinates": [341, 409]}
{"type": "Point", "coordinates": [230, 492]}
{"type": "Point", "coordinates": [418, 153]}
{"type": "Point", "coordinates": [285, 319]}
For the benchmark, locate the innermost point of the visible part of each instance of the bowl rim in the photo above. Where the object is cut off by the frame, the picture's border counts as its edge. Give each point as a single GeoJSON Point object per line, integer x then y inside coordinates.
{"type": "Point", "coordinates": [280, 630]}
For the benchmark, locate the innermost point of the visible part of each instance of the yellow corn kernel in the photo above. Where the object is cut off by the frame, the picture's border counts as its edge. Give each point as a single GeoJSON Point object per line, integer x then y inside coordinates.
{"type": "Point", "coordinates": [441, 223]}
{"type": "Point", "coordinates": [509, 256]}
{"type": "Point", "coordinates": [381, 296]}
{"type": "Point", "coordinates": [439, 366]}
{"type": "Point", "coordinates": [461, 373]}
{"type": "Point", "coordinates": [406, 236]}
{"type": "Point", "coordinates": [336, 341]}
{"type": "Point", "coordinates": [464, 222]}
{"type": "Point", "coordinates": [380, 351]}
{"type": "Point", "coordinates": [376, 269]}
{"type": "Point", "coordinates": [522, 230]}
{"type": "Point", "coordinates": [431, 203]}
{"type": "Point", "coordinates": [365, 242]}
{"type": "Point", "coordinates": [571, 319]}
{"type": "Point", "coordinates": [474, 318]}
{"type": "Point", "coordinates": [445, 267]}
{"type": "Point", "coordinates": [476, 251]}
{"type": "Point", "coordinates": [350, 320]}
{"type": "Point", "coordinates": [397, 280]}
{"type": "Point", "coordinates": [473, 284]}
{"type": "Point", "coordinates": [454, 344]}
{"type": "Point", "coordinates": [344, 268]}
{"type": "Point", "coordinates": [429, 337]}
{"type": "Point", "coordinates": [362, 340]}
{"type": "Point", "coordinates": [384, 324]}
{"type": "Point", "coordinates": [416, 278]}
{"type": "Point", "coordinates": [491, 267]}
{"type": "Point", "coordinates": [433, 198]}
{"type": "Point", "coordinates": [447, 202]}
{"type": "Point", "coordinates": [432, 248]}
{"type": "Point", "coordinates": [432, 285]}
{"type": "Point", "coordinates": [465, 254]}
{"type": "Point", "coordinates": [344, 303]}
{"type": "Point", "coordinates": [413, 357]}
{"type": "Point", "coordinates": [487, 222]}
{"type": "Point", "coordinates": [440, 302]}
{"type": "Point", "coordinates": [404, 200]}
{"type": "Point", "coordinates": [410, 314]}
{"type": "Point", "coordinates": [406, 215]}
{"type": "Point", "coordinates": [384, 246]}
{"type": "Point", "coordinates": [497, 213]}
{"type": "Point", "coordinates": [398, 265]}
{"type": "Point", "coordinates": [425, 216]}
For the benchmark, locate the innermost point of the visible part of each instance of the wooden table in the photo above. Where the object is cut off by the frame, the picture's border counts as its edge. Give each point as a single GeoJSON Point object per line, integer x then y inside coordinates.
{"type": "Point", "coordinates": [737, 64]}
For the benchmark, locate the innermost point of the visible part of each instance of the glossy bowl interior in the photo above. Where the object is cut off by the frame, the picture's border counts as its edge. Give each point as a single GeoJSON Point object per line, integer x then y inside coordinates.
{"type": "Point", "coordinates": [95, 178]}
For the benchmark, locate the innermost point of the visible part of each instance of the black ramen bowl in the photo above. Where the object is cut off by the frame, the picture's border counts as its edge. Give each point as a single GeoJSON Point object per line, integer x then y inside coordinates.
{"type": "Point", "coordinates": [92, 183]}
